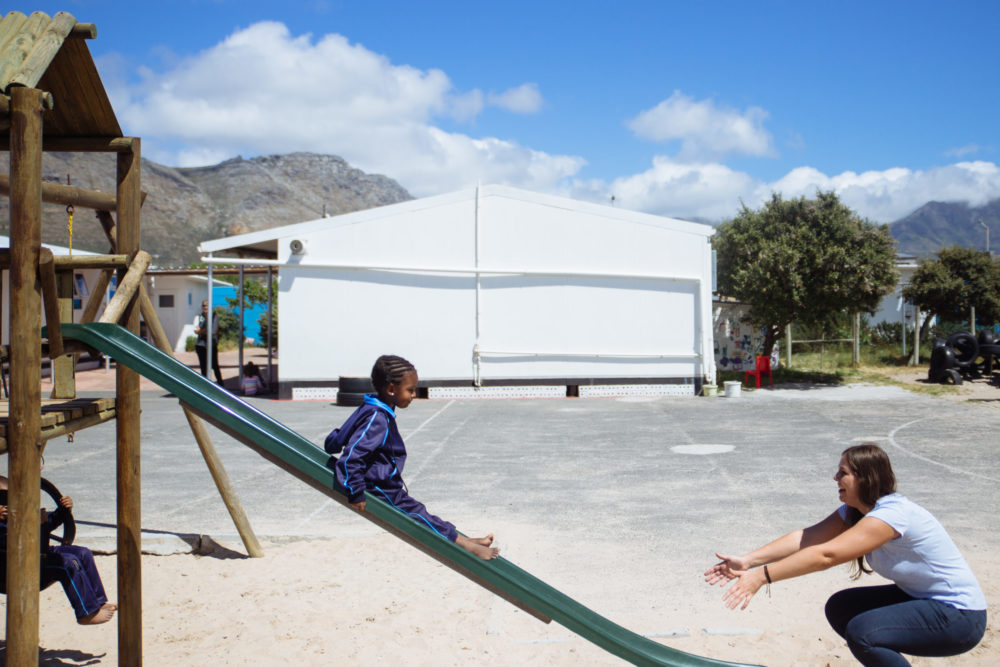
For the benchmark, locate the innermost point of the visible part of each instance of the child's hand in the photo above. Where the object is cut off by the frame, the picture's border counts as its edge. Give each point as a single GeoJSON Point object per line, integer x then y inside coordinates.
{"type": "Point", "coordinates": [66, 502]}
{"type": "Point", "coordinates": [358, 506]}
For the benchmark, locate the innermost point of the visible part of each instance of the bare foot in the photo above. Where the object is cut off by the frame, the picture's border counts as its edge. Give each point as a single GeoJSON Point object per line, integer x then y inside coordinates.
{"type": "Point", "coordinates": [102, 615]}
{"type": "Point", "coordinates": [479, 547]}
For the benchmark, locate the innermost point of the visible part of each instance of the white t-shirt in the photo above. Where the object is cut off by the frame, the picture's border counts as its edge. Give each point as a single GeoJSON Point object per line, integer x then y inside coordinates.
{"type": "Point", "coordinates": [922, 561]}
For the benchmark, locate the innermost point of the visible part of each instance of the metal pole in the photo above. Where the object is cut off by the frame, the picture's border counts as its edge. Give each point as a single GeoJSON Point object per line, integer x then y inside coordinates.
{"type": "Point", "coordinates": [983, 224]}
{"type": "Point", "coordinates": [239, 293]}
{"type": "Point", "coordinates": [208, 326]}
{"type": "Point", "coordinates": [270, 326]}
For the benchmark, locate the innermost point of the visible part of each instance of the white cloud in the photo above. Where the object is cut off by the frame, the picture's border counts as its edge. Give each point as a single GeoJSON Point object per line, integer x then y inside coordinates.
{"type": "Point", "coordinates": [704, 130]}
{"type": "Point", "coordinates": [263, 90]}
{"type": "Point", "coordinates": [962, 151]}
{"type": "Point", "coordinates": [713, 192]}
{"type": "Point", "coordinates": [525, 98]}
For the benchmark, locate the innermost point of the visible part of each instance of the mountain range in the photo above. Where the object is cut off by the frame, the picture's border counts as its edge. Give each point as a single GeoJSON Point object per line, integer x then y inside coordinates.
{"type": "Point", "coordinates": [185, 206]}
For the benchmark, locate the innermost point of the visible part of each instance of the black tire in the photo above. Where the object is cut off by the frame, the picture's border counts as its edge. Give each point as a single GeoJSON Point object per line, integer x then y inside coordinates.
{"type": "Point", "coordinates": [350, 399]}
{"type": "Point", "coordinates": [355, 385]}
{"type": "Point", "coordinates": [955, 376]}
{"type": "Point", "coordinates": [66, 533]}
{"type": "Point", "coordinates": [966, 348]}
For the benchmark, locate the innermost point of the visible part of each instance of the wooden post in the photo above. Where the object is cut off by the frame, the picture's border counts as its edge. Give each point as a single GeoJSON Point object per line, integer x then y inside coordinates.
{"type": "Point", "coordinates": [204, 440]}
{"type": "Point", "coordinates": [96, 296]}
{"type": "Point", "coordinates": [47, 273]}
{"type": "Point", "coordinates": [23, 543]}
{"type": "Point", "coordinates": [64, 367]}
{"type": "Point", "coordinates": [972, 320]}
{"type": "Point", "coordinates": [123, 301]}
{"type": "Point", "coordinates": [128, 434]}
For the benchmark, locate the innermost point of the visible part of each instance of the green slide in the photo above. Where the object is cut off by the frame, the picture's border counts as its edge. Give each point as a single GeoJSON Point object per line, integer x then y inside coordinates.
{"type": "Point", "coordinates": [307, 461]}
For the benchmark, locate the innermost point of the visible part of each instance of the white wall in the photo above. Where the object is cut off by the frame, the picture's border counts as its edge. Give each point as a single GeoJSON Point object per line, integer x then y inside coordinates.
{"type": "Point", "coordinates": [337, 321]}
{"type": "Point", "coordinates": [178, 320]}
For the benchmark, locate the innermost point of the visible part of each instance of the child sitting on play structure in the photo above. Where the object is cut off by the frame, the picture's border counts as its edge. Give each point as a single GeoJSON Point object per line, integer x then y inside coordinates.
{"type": "Point", "coordinates": [374, 453]}
{"type": "Point", "coordinates": [72, 566]}
{"type": "Point", "coordinates": [253, 383]}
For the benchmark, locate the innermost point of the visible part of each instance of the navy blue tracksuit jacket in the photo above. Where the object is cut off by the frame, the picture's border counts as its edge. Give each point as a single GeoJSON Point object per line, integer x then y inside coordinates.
{"type": "Point", "coordinates": [372, 460]}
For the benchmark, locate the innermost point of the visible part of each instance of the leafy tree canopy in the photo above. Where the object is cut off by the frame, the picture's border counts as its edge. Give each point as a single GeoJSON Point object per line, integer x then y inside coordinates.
{"type": "Point", "coordinates": [802, 260]}
{"type": "Point", "coordinates": [957, 280]}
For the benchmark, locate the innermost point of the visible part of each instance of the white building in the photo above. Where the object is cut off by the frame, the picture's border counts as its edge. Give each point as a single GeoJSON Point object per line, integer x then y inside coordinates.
{"type": "Point", "coordinates": [491, 287]}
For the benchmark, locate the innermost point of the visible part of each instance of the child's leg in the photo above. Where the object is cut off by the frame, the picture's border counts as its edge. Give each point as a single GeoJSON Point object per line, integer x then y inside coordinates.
{"type": "Point", "coordinates": [74, 568]}
{"type": "Point", "coordinates": [402, 501]}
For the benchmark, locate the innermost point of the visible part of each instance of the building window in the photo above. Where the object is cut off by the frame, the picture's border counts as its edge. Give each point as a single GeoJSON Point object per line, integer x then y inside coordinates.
{"type": "Point", "coordinates": [166, 301]}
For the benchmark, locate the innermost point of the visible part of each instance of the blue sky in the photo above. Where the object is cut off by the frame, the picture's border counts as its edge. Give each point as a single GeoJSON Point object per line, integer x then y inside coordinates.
{"type": "Point", "coordinates": [679, 109]}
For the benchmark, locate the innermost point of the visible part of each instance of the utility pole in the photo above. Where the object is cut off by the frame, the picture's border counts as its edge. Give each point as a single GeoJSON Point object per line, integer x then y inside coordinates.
{"type": "Point", "coordinates": [984, 226]}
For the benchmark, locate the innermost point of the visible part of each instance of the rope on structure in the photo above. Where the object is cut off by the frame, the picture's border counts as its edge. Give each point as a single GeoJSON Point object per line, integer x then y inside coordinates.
{"type": "Point", "coordinates": [69, 215]}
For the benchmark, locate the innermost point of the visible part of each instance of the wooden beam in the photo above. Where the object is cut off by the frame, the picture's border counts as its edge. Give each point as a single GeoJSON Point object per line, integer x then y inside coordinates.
{"type": "Point", "coordinates": [96, 296]}
{"type": "Point", "coordinates": [80, 144]}
{"type": "Point", "coordinates": [68, 263]}
{"type": "Point", "coordinates": [128, 286]}
{"type": "Point", "coordinates": [23, 543]}
{"type": "Point", "coordinates": [84, 31]}
{"type": "Point", "coordinates": [204, 440]}
{"type": "Point", "coordinates": [128, 434]}
{"type": "Point", "coordinates": [67, 195]}
{"type": "Point", "coordinates": [47, 273]}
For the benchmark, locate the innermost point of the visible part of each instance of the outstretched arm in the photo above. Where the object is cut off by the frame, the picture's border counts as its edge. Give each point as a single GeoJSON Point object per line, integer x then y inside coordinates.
{"type": "Point", "coordinates": [861, 539]}
{"type": "Point", "coordinates": [732, 567]}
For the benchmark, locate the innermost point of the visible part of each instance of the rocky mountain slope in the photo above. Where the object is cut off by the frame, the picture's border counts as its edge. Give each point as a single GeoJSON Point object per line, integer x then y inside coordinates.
{"type": "Point", "coordinates": [936, 225]}
{"type": "Point", "coordinates": [186, 206]}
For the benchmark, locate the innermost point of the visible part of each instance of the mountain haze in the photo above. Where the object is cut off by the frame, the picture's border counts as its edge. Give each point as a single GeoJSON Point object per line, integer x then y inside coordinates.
{"type": "Point", "coordinates": [186, 206]}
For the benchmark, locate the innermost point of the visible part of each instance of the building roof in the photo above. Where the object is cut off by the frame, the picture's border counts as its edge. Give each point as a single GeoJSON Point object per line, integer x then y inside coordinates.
{"type": "Point", "coordinates": [264, 243]}
{"type": "Point", "coordinates": [51, 54]}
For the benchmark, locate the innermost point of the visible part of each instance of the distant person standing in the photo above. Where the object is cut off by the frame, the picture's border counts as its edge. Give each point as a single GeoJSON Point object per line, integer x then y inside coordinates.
{"type": "Point", "coordinates": [201, 346]}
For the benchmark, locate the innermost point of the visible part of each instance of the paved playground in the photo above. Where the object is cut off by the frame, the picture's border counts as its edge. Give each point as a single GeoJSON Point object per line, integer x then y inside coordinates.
{"type": "Point", "coordinates": [620, 503]}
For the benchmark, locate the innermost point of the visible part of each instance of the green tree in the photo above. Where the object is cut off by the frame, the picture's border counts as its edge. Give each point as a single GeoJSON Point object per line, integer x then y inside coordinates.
{"type": "Point", "coordinates": [956, 281]}
{"type": "Point", "coordinates": [802, 260]}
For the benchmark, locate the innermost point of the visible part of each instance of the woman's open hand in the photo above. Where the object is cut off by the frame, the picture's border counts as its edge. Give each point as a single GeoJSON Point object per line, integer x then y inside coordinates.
{"type": "Point", "coordinates": [740, 593]}
{"type": "Point", "coordinates": [728, 568]}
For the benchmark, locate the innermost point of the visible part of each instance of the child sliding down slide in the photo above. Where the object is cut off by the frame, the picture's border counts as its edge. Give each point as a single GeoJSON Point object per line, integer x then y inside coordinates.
{"type": "Point", "coordinates": [374, 453]}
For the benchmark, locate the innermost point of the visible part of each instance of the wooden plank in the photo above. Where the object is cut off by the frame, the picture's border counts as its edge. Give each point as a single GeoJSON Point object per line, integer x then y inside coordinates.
{"type": "Point", "coordinates": [64, 367]}
{"type": "Point", "coordinates": [59, 417]}
{"type": "Point", "coordinates": [83, 107]}
{"type": "Point", "coordinates": [16, 42]}
{"type": "Point", "coordinates": [128, 433]}
{"type": "Point", "coordinates": [23, 541]}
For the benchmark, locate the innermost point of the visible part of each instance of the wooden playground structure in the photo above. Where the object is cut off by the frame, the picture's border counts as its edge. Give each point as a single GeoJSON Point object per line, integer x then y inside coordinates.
{"type": "Point", "coordinates": [52, 99]}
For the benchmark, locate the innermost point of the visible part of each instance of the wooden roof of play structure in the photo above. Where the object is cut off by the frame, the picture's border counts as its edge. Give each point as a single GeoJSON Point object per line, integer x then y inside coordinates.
{"type": "Point", "coordinates": [51, 54]}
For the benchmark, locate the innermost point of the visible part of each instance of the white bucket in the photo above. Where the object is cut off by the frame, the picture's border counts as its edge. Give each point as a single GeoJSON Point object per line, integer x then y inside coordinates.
{"type": "Point", "coordinates": [733, 388]}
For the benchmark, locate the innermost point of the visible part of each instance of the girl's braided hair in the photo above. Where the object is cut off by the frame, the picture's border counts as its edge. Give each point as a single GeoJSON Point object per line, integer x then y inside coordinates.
{"type": "Point", "coordinates": [390, 369]}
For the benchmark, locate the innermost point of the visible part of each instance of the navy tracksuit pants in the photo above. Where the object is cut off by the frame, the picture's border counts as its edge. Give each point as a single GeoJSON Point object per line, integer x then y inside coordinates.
{"type": "Point", "coordinates": [401, 500]}
{"type": "Point", "coordinates": [74, 568]}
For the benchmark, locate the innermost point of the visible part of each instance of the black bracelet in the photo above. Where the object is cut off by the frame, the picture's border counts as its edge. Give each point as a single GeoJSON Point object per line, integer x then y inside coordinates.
{"type": "Point", "coordinates": [767, 575]}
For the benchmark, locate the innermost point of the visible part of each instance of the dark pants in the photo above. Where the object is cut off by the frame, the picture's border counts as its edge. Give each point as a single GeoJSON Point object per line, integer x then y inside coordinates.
{"type": "Point", "coordinates": [202, 351]}
{"type": "Point", "coordinates": [401, 500]}
{"type": "Point", "coordinates": [74, 568]}
{"type": "Point", "coordinates": [880, 622]}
